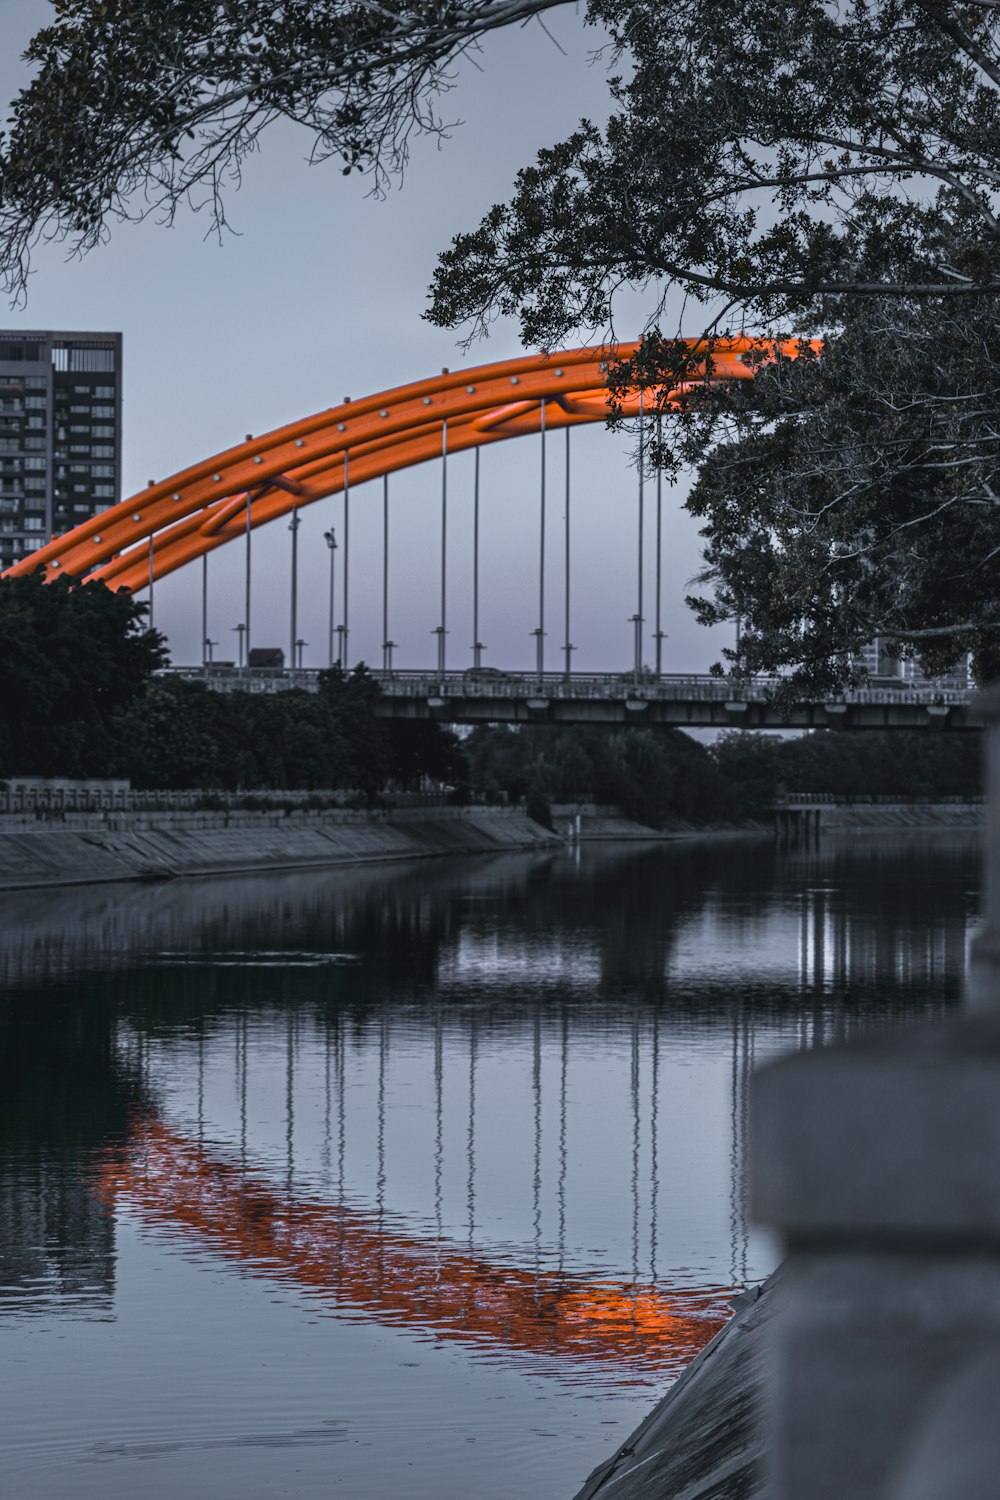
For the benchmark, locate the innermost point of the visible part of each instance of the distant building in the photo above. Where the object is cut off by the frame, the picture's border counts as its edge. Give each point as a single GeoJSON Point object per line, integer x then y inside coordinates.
{"type": "Point", "coordinates": [60, 434]}
{"type": "Point", "coordinates": [876, 660]}
{"type": "Point", "coordinates": [266, 656]}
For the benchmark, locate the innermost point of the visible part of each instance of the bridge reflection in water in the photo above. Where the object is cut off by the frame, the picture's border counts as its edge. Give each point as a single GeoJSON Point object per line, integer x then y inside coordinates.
{"type": "Point", "coordinates": [368, 1264]}
{"type": "Point", "coordinates": [502, 1104]}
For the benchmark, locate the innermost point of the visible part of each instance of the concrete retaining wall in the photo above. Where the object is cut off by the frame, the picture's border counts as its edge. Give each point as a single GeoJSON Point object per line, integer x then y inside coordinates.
{"type": "Point", "coordinates": [902, 815]}
{"type": "Point", "coordinates": [159, 846]}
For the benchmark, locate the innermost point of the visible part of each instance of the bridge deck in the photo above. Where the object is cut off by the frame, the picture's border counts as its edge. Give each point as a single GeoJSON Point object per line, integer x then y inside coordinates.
{"type": "Point", "coordinates": [621, 698]}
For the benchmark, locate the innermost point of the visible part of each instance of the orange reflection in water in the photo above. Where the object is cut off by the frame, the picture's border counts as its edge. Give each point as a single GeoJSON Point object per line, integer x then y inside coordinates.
{"type": "Point", "coordinates": [396, 1278]}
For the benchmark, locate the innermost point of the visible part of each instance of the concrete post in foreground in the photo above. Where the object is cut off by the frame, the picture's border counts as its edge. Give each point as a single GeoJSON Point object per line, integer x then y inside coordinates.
{"type": "Point", "coordinates": [878, 1164]}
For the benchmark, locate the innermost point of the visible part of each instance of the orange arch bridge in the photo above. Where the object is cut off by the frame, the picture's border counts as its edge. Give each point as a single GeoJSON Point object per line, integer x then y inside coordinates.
{"type": "Point", "coordinates": [185, 517]}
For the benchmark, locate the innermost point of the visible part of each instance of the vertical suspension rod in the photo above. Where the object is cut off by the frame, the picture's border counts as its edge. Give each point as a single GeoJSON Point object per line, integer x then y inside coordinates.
{"type": "Point", "coordinates": [567, 647]}
{"type": "Point", "coordinates": [246, 610]}
{"type": "Point", "coordinates": [204, 609]}
{"type": "Point", "coordinates": [641, 538]}
{"type": "Point", "coordinates": [659, 550]}
{"type": "Point", "coordinates": [476, 647]}
{"type": "Point", "coordinates": [294, 614]}
{"type": "Point", "coordinates": [385, 574]}
{"type": "Point", "coordinates": [347, 552]}
{"type": "Point", "coordinates": [540, 633]}
{"type": "Point", "coordinates": [444, 545]}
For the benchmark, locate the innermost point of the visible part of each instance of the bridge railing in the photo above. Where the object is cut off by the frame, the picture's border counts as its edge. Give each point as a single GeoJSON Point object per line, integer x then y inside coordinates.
{"type": "Point", "coordinates": [494, 684]}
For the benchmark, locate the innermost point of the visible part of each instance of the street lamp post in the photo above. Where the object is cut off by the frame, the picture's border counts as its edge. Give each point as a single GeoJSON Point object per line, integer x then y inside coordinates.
{"type": "Point", "coordinates": [539, 635]}
{"type": "Point", "coordinates": [208, 645]}
{"type": "Point", "coordinates": [240, 629]}
{"type": "Point", "coordinates": [330, 538]}
{"type": "Point", "coordinates": [637, 622]}
{"type": "Point", "coordinates": [300, 646]}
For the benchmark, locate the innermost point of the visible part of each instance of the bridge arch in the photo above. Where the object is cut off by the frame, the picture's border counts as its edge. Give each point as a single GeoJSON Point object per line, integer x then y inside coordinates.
{"type": "Point", "coordinates": [218, 500]}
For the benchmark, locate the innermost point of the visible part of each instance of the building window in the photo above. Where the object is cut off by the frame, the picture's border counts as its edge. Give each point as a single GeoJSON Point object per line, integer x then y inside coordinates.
{"type": "Point", "coordinates": [103, 471]}
{"type": "Point", "coordinates": [34, 522]}
{"type": "Point", "coordinates": [24, 349]}
{"type": "Point", "coordinates": [102, 450]}
{"type": "Point", "coordinates": [85, 359]}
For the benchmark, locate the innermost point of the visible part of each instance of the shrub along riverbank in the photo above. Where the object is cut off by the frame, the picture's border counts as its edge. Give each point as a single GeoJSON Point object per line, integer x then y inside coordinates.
{"type": "Point", "coordinates": [78, 697]}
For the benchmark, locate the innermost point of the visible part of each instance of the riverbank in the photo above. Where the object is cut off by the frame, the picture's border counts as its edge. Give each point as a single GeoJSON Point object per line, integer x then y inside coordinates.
{"type": "Point", "coordinates": [703, 1440]}
{"type": "Point", "coordinates": [98, 848]}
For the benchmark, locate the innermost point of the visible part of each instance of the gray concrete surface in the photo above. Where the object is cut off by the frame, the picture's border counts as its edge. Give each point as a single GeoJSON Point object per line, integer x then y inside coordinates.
{"type": "Point", "coordinates": [161, 847]}
{"type": "Point", "coordinates": [703, 1441]}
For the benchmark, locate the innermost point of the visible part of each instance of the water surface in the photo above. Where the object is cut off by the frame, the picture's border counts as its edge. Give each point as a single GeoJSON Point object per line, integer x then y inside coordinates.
{"type": "Point", "coordinates": [419, 1181]}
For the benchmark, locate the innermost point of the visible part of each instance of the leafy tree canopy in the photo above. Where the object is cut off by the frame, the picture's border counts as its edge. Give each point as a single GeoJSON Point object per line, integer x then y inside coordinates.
{"type": "Point", "coordinates": [811, 171]}
{"type": "Point", "coordinates": [70, 660]}
{"type": "Point", "coordinates": [139, 106]}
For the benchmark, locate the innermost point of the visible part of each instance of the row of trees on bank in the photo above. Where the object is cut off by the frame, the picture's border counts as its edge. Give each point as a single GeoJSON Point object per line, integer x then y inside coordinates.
{"type": "Point", "coordinates": [79, 697]}
{"type": "Point", "coordinates": [664, 776]}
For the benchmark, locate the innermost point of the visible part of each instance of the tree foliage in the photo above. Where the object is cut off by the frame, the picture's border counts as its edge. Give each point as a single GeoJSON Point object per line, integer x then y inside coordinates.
{"type": "Point", "coordinates": [801, 170]}
{"type": "Point", "coordinates": [71, 659]}
{"type": "Point", "coordinates": [181, 735]}
{"type": "Point", "coordinates": [653, 776]}
{"type": "Point", "coordinates": [139, 106]}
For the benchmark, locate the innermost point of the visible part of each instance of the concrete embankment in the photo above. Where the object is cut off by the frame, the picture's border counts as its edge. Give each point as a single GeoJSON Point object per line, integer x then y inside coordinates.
{"type": "Point", "coordinates": [704, 1439]}
{"type": "Point", "coordinates": [89, 848]}
{"type": "Point", "coordinates": [588, 822]}
{"type": "Point", "coordinates": [899, 817]}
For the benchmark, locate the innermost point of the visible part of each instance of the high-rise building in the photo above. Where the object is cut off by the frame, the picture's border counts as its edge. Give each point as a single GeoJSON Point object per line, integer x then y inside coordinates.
{"type": "Point", "coordinates": [60, 434]}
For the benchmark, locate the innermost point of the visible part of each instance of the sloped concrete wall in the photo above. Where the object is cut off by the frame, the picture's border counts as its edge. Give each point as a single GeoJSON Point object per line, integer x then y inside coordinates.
{"type": "Point", "coordinates": [151, 847]}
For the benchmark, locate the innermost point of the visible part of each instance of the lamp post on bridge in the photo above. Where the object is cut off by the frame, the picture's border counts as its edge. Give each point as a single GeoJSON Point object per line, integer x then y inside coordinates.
{"type": "Point", "coordinates": [330, 537]}
{"type": "Point", "coordinates": [240, 630]}
{"type": "Point", "coordinates": [440, 632]}
{"type": "Point", "coordinates": [207, 649]}
{"type": "Point", "coordinates": [341, 633]}
{"type": "Point", "coordinates": [539, 635]}
{"type": "Point", "coordinates": [300, 646]}
{"type": "Point", "coordinates": [637, 622]}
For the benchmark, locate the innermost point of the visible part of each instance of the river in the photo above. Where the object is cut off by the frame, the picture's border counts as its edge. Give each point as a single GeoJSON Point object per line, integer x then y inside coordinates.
{"type": "Point", "coordinates": [420, 1181]}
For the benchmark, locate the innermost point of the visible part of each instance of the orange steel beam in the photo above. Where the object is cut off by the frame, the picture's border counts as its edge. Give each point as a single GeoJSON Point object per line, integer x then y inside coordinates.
{"type": "Point", "coordinates": [204, 506]}
{"type": "Point", "coordinates": [398, 1277]}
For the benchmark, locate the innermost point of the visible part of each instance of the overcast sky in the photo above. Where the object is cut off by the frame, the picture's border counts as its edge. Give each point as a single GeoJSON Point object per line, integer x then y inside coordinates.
{"type": "Point", "coordinates": [319, 294]}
